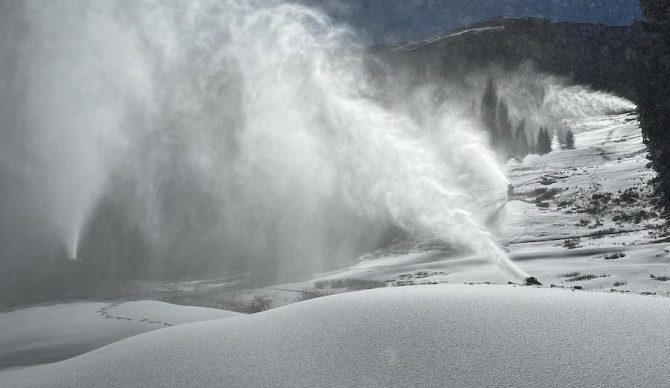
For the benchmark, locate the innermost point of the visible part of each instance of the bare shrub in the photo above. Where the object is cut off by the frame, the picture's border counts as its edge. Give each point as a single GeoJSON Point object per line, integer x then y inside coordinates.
{"type": "Point", "coordinates": [614, 256]}
{"type": "Point", "coordinates": [584, 277]}
{"type": "Point", "coordinates": [570, 274]}
{"type": "Point", "coordinates": [571, 243]}
{"type": "Point", "coordinates": [581, 278]}
{"type": "Point", "coordinates": [663, 278]}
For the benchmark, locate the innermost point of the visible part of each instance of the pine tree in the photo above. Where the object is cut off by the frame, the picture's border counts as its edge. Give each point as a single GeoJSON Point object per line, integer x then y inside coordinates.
{"type": "Point", "coordinates": [504, 127]}
{"type": "Point", "coordinates": [654, 92]}
{"type": "Point", "coordinates": [548, 137]}
{"type": "Point", "coordinates": [489, 110]}
{"type": "Point", "coordinates": [495, 117]}
{"type": "Point", "coordinates": [543, 142]}
{"type": "Point", "coordinates": [569, 140]}
{"type": "Point", "coordinates": [535, 147]}
{"type": "Point", "coordinates": [521, 142]}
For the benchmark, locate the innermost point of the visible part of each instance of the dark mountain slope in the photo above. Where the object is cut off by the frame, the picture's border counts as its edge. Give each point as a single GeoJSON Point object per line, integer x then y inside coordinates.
{"type": "Point", "coordinates": [598, 55]}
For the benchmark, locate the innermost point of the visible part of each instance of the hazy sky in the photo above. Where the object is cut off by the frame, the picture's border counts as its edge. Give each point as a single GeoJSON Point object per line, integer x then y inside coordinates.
{"type": "Point", "coordinates": [394, 20]}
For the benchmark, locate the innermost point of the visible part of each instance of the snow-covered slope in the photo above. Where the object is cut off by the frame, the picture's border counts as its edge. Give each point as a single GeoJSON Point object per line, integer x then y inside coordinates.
{"type": "Point", "coordinates": [589, 210]}
{"type": "Point", "coordinates": [441, 335]}
{"type": "Point", "coordinates": [52, 333]}
{"type": "Point", "coordinates": [586, 210]}
{"type": "Point", "coordinates": [577, 217]}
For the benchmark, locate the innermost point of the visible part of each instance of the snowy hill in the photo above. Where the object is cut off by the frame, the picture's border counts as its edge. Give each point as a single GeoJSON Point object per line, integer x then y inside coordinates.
{"type": "Point", "coordinates": [444, 335]}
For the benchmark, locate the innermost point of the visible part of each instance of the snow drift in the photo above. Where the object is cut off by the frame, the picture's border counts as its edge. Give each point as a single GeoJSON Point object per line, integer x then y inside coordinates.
{"type": "Point", "coordinates": [451, 335]}
{"type": "Point", "coordinates": [46, 334]}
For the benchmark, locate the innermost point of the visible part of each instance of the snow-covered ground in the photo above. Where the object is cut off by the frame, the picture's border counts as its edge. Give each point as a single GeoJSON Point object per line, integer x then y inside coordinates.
{"type": "Point", "coordinates": [52, 333]}
{"type": "Point", "coordinates": [579, 220]}
{"type": "Point", "coordinates": [588, 210]}
{"type": "Point", "coordinates": [439, 335]}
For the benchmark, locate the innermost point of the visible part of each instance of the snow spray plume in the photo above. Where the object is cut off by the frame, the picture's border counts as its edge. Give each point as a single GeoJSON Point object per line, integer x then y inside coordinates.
{"type": "Point", "coordinates": [541, 99]}
{"type": "Point", "coordinates": [249, 135]}
{"type": "Point", "coordinates": [66, 88]}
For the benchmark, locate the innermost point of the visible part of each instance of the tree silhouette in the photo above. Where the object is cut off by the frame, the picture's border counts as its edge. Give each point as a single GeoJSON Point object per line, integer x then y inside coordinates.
{"type": "Point", "coordinates": [489, 109]}
{"type": "Point", "coordinates": [569, 140]}
{"type": "Point", "coordinates": [543, 142]}
{"type": "Point", "coordinates": [521, 141]}
{"type": "Point", "coordinates": [654, 92]}
{"type": "Point", "coordinates": [495, 117]}
{"type": "Point", "coordinates": [504, 127]}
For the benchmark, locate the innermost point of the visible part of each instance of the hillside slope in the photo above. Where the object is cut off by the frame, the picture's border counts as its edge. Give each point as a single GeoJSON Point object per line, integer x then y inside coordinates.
{"type": "Point", "coordinates": [598, 55]}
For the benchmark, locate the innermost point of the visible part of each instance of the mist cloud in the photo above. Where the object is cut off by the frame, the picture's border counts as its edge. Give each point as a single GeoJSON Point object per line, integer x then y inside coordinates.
{"type": "Point", "coordinates": [238, 136]}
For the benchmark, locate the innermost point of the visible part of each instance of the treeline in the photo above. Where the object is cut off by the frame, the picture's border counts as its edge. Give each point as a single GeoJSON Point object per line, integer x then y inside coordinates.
{"type": "Point", "coordinates": [653, 100]}
{"type": "Point", "coordinates": [514, 141]}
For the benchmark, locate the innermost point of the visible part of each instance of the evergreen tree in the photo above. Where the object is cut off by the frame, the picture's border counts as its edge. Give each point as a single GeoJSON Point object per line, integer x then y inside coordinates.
{"type": "Point", "coordinates": [654, 92]}
{"type": "Point", "coordinates": [489, 110]}
{"type": "Point", "coordinates": [569, 140]}
{"type": "Point", "coordinates": [495, 117]}
{"type": "Point", "coordinates": [504, 127]}
{"type": "Point", "coordinates": [548, 136]}
{"type": "Point", "coordinates": [535, 147]}
{"type": "Point", "coordinates": [521, 141]}
{"type": "Point", "coordinates": [543, 141]}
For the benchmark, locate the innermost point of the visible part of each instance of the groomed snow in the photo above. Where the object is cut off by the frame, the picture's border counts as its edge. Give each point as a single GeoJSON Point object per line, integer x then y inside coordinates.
{"type": "Point", "coordinates": [52, 333]}
{"type": "Point", "coordinates": [441, 335]}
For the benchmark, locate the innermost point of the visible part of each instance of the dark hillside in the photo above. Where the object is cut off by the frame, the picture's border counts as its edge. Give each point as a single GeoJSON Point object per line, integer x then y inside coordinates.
{"type": "Point", "coordinates": [598, 55]}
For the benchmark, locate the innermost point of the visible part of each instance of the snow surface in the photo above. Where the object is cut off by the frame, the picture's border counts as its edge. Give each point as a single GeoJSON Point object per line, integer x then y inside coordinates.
{"type": "Point", "coordinates": [431, 335]}
{"type": "Point", "coordinates": [441, 335]}
{"type": "Point", "coordinates": [52, 333]}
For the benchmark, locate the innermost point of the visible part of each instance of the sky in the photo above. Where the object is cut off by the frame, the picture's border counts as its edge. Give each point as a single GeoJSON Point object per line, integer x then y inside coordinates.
{"type": "Point", "coordinates": [383, 21]}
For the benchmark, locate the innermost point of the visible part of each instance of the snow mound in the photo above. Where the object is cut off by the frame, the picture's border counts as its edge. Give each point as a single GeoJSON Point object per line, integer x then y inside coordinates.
{"type": "Point", "coordinates": [53, 333]}
{"type": "Point", "coordinates": [169, 313]}
{"type": "Point", "coordinates": [442, 335]}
